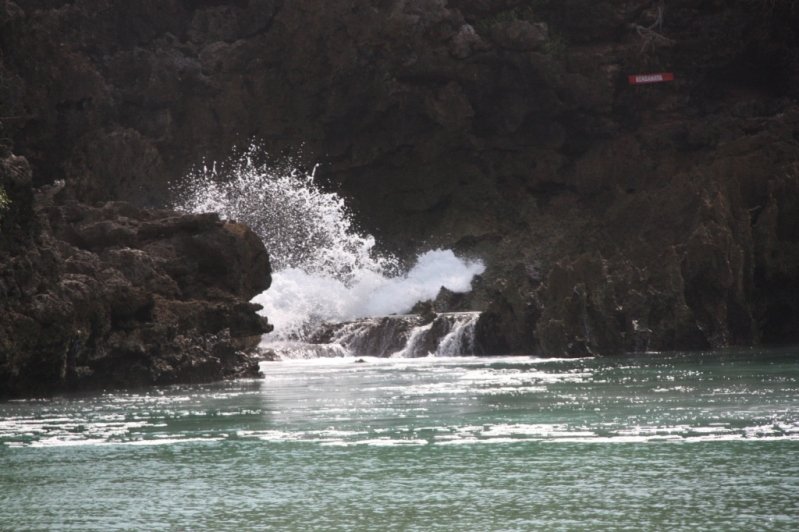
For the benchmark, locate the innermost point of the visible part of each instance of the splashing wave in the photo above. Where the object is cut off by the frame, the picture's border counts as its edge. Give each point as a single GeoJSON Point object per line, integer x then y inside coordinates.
{"type": "Point", "coordinates": [325, 270]}
{"type": "Point", "coordinates": [302, 226]}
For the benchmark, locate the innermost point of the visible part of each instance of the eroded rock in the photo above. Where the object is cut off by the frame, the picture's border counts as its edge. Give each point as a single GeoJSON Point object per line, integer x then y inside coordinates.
{"type": "Point", "coordinates": [117, 296]}
{"type": "Point", "coordinates": [503, 129]}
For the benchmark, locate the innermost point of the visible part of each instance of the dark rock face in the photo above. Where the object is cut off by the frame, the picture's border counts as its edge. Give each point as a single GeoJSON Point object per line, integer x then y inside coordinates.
{"type": "Point", "coordinates": [611, 217]}
{"type": "Point", "coordinates": [117, 296]}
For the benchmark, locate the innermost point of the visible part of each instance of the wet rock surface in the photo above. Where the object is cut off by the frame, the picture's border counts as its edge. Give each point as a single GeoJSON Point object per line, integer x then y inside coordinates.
{"type": "Point", "coordinates": [406, 335]}
{"type": "Point", "coordinates": [611, 217]}
{"type": "Point", "coordinates": [112, 295]}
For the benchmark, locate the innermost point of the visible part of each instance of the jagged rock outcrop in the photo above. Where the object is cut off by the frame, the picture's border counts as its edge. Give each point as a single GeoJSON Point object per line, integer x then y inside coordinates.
{"type": "Point", "coordinates": [611, 217]}
{"type": "Point", "coordinates": [118, 296]}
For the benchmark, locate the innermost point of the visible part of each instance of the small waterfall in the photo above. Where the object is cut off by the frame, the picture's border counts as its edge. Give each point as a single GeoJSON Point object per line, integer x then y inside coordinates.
{"type": "Point", "coordinates": [460, 339]}
{"type": "Point", "coordinates": [416, 342]}
{"type": "Point", "coordinates": [331, 294]}
{"type": "Point", "coordinates": [378, 337]}
{"type": "Point", "coordinates": [400, 336]}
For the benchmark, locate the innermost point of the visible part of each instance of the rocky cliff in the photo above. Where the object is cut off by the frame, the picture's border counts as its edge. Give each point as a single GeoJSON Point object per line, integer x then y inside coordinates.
{"type": "Point", "coordinates": [611, 216]}
{"type": "Point", "coordinates": [114, 295]}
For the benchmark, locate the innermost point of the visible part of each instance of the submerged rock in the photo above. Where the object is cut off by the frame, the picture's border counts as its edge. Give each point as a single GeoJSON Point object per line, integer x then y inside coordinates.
{"type": "Point", "coordinates": [117, 296]}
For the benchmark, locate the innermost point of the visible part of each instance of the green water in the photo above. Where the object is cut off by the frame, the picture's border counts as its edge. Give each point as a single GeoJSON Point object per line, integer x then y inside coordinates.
{"type": "Point", "coordinates": [659, 442]}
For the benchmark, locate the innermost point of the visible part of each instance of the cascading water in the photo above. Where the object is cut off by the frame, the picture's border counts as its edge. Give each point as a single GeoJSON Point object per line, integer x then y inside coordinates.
{"type": "Point", "coordinates": [326, 272]}
{"type": "Point", "coordinates": [450, 334]}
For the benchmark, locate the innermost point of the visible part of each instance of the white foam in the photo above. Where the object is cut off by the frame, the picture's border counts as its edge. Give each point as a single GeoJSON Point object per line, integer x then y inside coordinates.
{"type": "Point", "coordinates": [324, 270]}
{"type": "Point", "coordinates": [168, 441]}
{"type": "Point", "coordinates": [461, 337]}
{"type": "Point", "coordinates": [377, 442]}
{"type": "Point", "coordinates": [298, 299]}
{"type": "Point", "coordinates": [84, 442]}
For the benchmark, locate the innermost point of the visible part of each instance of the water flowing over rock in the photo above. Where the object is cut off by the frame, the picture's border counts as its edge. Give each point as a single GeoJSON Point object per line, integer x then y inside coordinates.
{"type": "Point", "coordinates": [404, 336]}
{"type": "Point", "coordinates": [327, 274]}
{"type": "Point", "coordinates": [117, 296]}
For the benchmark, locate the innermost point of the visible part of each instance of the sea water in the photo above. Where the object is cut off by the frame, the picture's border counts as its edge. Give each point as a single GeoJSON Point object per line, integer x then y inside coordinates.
{"type": "Point", "coordinates": [703, 441]}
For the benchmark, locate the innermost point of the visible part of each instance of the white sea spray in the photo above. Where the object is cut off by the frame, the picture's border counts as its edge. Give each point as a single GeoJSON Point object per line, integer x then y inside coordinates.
{"type": "Point", "coordinates": [324, 269]}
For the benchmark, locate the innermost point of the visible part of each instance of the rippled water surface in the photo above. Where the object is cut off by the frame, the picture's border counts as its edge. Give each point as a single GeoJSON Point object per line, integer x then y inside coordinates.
{"type": "Point", "coordinates": [700, 441]}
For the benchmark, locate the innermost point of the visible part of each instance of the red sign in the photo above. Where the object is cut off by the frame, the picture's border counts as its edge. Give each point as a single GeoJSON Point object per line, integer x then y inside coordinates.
{"type": "Point", "coordinates": [641, 79]}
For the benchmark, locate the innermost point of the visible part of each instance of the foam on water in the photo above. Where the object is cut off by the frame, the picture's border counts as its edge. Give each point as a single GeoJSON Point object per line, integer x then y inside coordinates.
{"type": "Point", "coordinates": [324, 269]}
{"type": "Point", "coordinates": [592, 443]}
{"type": "Point", "coordinates": [299, 300]}
{"type": "Point", "coordinates": [422, 401]}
